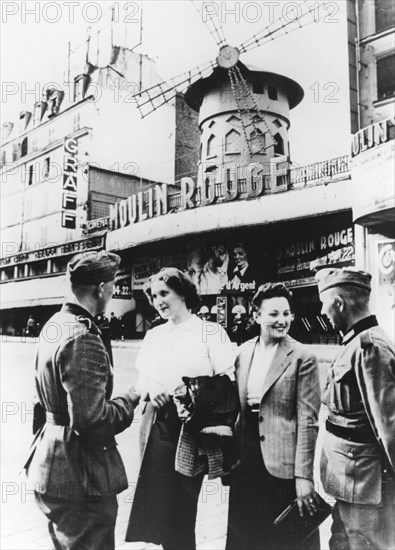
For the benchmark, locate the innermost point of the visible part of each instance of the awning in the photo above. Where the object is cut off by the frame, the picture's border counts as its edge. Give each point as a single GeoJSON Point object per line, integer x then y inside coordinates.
{"type": "Point", "coordinates": [41, 291]}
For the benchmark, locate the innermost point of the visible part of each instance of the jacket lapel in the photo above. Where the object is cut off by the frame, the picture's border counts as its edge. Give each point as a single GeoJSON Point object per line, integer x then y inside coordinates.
{"type": "Point", "coordinates": [281, 361]}
{"type": "Point", "coordinates": [245, 362]}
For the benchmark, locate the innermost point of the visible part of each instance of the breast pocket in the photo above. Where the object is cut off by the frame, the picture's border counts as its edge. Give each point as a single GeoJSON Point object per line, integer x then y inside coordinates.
{"type": "Point", "coordinates": [344, 393]}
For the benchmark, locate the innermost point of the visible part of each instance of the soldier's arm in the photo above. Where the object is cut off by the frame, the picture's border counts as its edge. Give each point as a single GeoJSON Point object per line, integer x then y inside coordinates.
{"type": "Point", "coordinates": [308, 405]}
{"type": "Point", "coordinates": [376, 377]}
{"type": "Point", "coordinates": [83, 367]}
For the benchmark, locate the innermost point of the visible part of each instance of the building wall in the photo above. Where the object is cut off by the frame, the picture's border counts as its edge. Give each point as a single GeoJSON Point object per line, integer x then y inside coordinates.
{"type": "Point", "coordinates": [372, 30]}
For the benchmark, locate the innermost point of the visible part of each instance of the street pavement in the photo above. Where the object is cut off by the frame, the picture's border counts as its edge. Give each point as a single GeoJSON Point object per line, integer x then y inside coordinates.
{"type": "Point", "coordinates": [23, 527]}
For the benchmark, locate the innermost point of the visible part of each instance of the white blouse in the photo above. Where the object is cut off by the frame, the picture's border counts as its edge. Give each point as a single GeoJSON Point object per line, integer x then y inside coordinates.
{"type": "Point", "coordinates": [192, 348]}
{"type": "Point", "coordinates": [261, 361]}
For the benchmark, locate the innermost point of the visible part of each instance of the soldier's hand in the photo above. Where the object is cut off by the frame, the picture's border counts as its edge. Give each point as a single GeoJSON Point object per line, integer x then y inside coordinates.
{"type": "Point", "coordinates": [134, 395]}
{"type": "Point", "coordinates": [306, 495]}
{"type": "Point", "coordinates": [159, 396]}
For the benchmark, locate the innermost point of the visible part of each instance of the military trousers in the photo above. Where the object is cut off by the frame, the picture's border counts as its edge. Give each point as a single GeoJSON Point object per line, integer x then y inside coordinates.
{"type": "Point", "coordinates": [87, 524]}
{"type": "Point", "coordinates": [357, 527]}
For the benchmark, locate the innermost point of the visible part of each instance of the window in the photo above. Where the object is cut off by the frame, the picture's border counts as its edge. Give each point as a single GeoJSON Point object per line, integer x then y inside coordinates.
{"type": "Point", "coordinates": [38, 268]}
{"type": "Point", "coordinates": [232, 142]}
{"type": "Point", "coordinates": [3, 157]}
{"type": "Point", "coordinates": [385, 14]}
{"type": "Point", "coordinates": [386, 77]}
{"type": "Point", "coordinates": [257, 88]}
{"type": "Point", "coordinates": [258, 141]}
{"type": "Point", "coordinates": [211, 146]}
{"type": "Point", "coordinates": [24, 147]}
{"type": "Point", "coordinates": [272, 91]}
{"type": "Point", "coordinates": [15, 151]}
{"type": "Point", "coordinates": [279, 145]}
{"type": "Point", "coordinates": [31, 175]}
{"type": "Point", "coordinates": [277, 123]}
{"type": "Point", "coordinates": [47, 165]}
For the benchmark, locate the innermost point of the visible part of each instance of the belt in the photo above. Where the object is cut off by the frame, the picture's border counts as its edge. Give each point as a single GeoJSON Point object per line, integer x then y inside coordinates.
{"type": "Point", "coordinates": [253, 408]}
{"type": "Point", "coordinates": [57, 419]}
{"type": "Point", "coordinates": [353, 435]}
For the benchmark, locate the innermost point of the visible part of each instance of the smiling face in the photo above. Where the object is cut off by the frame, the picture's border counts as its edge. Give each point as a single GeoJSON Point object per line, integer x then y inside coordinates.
{"type": "Point", "coordinates": [167, 302]}
{"type": "Point", "coordinates": [240, 256]}
{"type": "Point", "coordinates": [274, 318]}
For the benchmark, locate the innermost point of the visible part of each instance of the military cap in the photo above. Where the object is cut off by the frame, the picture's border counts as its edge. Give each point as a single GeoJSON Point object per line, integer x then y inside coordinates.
{"type": "Point", "coordinates": [331, 277]}
{"type": "Point", "coordinates": [93, 267]}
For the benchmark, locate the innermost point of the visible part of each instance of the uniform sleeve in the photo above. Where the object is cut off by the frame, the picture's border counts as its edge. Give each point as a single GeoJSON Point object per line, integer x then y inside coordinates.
{"type": "Point", "coordinates": [84, 371]}
{"type": "Point", "coordinates": [308, 406]}
{"type": "Point", "coordinates": [376, 377]}
{"type": "Point", "coordinates": [221, 351]}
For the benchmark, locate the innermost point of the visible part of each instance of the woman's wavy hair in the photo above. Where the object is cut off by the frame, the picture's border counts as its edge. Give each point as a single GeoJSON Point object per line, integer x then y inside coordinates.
{"type": "Point", "coordinates": [178, 281]}
{"type": "Point", "coordinates": [271, 290]}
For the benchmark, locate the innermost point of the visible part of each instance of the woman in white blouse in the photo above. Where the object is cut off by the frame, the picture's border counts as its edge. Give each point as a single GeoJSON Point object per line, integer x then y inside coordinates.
{"type": "Point", "coordinates": [279, 392]}
{"type": "Point", "coordinates": [165, 503]}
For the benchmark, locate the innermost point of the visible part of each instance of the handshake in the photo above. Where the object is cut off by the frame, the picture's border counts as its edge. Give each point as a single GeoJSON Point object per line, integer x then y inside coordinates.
{"type": "Point", "coordinates": [133, 394]}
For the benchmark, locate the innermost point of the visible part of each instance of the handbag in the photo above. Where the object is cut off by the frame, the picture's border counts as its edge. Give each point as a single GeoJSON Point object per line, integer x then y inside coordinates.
{"type": "Point", "coordinates": [300, 527]}
{"type": "Point", "coordinates": [209, 404]}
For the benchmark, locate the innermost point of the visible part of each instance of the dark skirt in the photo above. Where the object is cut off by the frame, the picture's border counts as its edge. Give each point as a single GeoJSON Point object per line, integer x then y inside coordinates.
{"type": "Point", "coordinates": [165, 502]}
{"type": "Point", "coordinates": [256, 498]}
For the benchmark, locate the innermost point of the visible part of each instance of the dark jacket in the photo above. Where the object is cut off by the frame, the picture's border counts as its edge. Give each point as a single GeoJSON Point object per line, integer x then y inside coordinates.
{"type": "Point", "coordinates": [74, 453]}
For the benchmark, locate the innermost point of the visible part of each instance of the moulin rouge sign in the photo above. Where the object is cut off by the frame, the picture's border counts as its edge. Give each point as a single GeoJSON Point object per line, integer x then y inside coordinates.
{"type": "Point", "coordinates": [155, 201]}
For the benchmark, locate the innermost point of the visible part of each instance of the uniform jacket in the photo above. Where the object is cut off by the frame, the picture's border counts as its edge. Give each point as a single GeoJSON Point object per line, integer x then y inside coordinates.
{"type": "Point", "coordinates": [288, 411]}
{"type": "Point", "coordinates": [352, 471]}
{"type": "Point", "coordinates": [74, 454]}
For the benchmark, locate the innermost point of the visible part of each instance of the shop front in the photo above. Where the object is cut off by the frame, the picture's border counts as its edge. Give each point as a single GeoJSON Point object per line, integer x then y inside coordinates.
{"type": "Point", "coordinates": [229, 264]}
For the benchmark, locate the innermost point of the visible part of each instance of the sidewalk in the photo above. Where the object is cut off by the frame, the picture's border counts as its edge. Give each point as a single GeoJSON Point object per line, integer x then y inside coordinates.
{"type": "Point", "coordinates": [23, 525]}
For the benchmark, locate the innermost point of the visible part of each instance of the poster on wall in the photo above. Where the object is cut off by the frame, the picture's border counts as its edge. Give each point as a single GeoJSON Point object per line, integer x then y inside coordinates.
{"type": "Point", "coordinates": [298, 262]}
{"type": "Point", "coordinates": [142, 271]}
{"type": "Point", "coordinates": [223, 267]}
{"type": "Point", "coordinates": [122, 286]}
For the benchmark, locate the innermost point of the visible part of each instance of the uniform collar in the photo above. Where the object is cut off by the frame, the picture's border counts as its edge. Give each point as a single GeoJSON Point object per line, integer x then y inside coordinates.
{"type": "Point", "coordinates": [360, 326]}
{"type": "Point", "coordinates": [76, 309]}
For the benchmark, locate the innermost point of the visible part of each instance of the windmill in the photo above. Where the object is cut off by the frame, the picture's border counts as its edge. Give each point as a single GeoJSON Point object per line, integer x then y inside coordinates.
{"type": "Point", "coordinates": [229, 66]}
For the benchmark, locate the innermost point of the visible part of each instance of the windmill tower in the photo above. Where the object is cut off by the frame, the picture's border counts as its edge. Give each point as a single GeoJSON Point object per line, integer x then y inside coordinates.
{"type": "Point", "coordinates": [243, 111]}
{"type": "Point", "coordinates": [243, 120]}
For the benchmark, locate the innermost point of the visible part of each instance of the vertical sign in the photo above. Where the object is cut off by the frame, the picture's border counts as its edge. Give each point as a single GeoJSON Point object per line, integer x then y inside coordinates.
{"type": "Point", "coordinates": [69, 195]}
{"type": "Point", "coordinates": [222, 311]}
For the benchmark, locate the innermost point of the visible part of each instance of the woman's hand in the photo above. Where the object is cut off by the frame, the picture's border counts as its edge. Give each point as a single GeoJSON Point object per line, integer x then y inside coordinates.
{"type": "Point", "coordinates": [159, 396]}
{"type": "Point", "coordinates": [306, 495]}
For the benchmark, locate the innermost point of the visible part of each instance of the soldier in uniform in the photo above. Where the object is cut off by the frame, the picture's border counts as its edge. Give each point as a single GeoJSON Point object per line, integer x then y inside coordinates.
{"type": "Point", "coordinates": [358, 458]}
{"type": "Point", "coordinates": [74, 465]}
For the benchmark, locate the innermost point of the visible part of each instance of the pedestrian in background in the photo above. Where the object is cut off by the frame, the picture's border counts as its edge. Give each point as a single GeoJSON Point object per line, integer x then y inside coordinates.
{"type": "Point", "coordinates": [358, 458]}
{"type": "Point", "coordinates": [165, 503]}
{"type": "Point", "coordinates": [279, 392]}
{"type": "Point", "coordinates": [114, 327]}
{"type": "Point", "coordinates": [74, 465]}
{"type": "Point", "coordinates": [31, 326]}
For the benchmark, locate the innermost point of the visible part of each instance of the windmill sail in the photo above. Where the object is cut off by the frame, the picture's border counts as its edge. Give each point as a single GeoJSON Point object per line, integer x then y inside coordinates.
{"type": "Point", "coordinates": [213, 24]}
{"type": "Point", "coordinates": [304, 15]}
{"type": "Point", "coordinates": [152, 98]}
